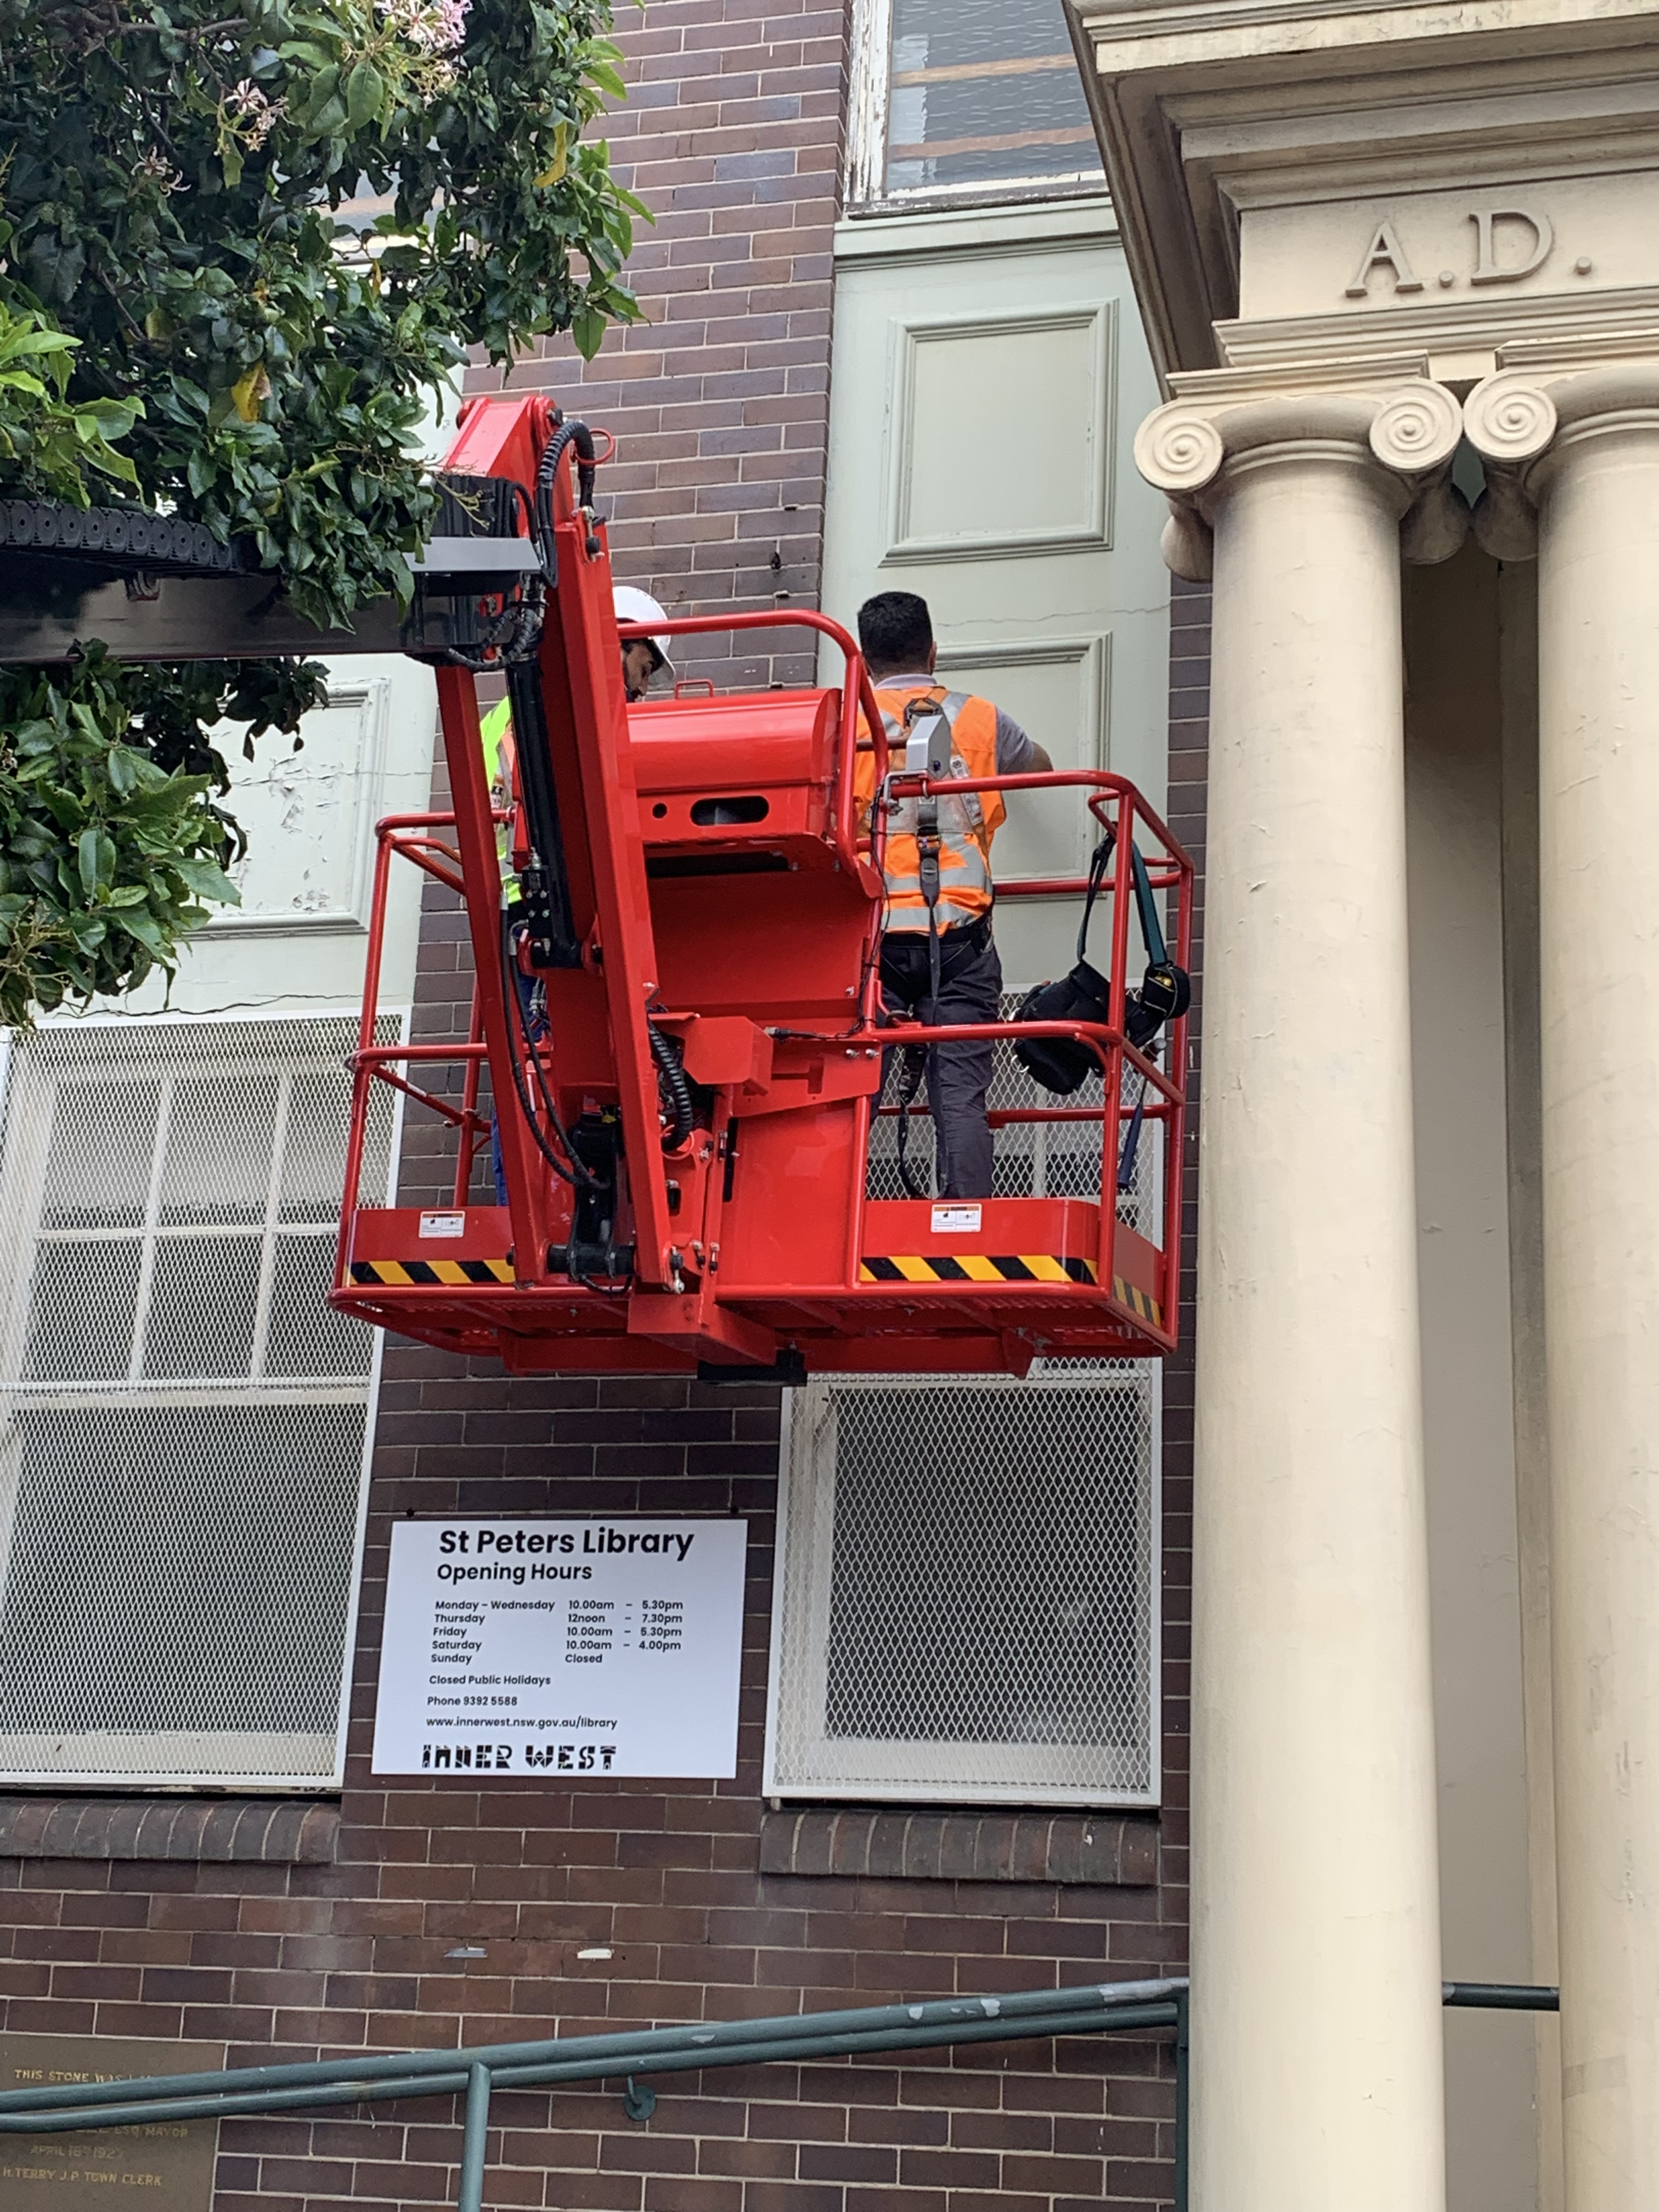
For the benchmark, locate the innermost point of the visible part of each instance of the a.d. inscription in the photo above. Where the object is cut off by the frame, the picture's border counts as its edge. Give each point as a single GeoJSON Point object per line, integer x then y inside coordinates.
{"type": "Point", "coordinates": [1509, 243]}
{"type": "Point", "coordinates": [168, 2165]}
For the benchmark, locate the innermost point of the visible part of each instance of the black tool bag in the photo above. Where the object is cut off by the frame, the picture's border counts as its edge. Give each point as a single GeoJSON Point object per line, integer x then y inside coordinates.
{"type": "Point", "coordinates": [1062, 1064]}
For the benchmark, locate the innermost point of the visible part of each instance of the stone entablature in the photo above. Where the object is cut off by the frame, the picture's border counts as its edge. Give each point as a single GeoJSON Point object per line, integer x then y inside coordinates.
{"type": "Point", "coordinates": [1327, 181]}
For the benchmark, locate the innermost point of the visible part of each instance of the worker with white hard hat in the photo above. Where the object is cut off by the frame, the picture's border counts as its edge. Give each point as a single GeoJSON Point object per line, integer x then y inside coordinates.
{"type": "Point", "coordinates": [642, 657]}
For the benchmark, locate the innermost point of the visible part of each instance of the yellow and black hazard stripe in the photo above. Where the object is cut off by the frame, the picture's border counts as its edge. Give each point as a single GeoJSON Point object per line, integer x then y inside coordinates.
{"type": "Point", "coordinates": [1138, 1302]}
{"type": "Point", "coordinates": [1002, 1267]}
{"type": "Point", "coordinates": [975, 1268]}
{"type": "Point", "coordinates": [396, 1272]}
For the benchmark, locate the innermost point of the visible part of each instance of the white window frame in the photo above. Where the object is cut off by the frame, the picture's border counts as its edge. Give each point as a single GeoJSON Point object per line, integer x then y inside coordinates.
{"type": "Point", "coordinates": [865, 180]}
{"type": "Point", "coordinates": [21, 1234]}
{"type": "Point", "coordinates": [811, 1404]}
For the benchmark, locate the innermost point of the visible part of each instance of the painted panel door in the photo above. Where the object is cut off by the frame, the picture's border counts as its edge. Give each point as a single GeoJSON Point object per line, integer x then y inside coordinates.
{"type": "Point", "coordinates": [988, 381]}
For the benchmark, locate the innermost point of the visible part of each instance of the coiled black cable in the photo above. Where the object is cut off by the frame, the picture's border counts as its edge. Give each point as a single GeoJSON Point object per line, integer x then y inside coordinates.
{"type": "Point", "coordinates": [674, 1088]}
{"type": "Point", "coordinates": [914, 1060]}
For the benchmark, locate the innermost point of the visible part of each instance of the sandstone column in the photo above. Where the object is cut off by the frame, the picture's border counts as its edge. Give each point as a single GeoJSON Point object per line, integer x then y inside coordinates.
{"type": "Point", "coordinates": [1315, 1955]}
{"type": "Point", "coordinates": [1584, 445]}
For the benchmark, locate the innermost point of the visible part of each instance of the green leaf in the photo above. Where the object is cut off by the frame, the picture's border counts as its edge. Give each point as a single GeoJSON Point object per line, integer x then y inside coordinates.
{"type": "Point", "coordinates": [142, 926]}
{"type": "Point", "coordinates": [87, 857]}
{"type": "Point", "coordinates": [588, 329]}
{"type": "Point", "coordinates": [208, 882]}
{"type": "Point", "coordinates": [365, 96]}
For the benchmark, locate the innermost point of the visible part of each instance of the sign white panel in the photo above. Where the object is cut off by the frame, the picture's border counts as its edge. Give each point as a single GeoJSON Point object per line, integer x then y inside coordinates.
{"type": "Point", "coordinates": [562, 1647]}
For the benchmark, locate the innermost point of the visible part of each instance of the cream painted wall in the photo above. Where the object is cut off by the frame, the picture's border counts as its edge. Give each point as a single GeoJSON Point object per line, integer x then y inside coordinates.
{"type": "Point", "coordinates": [1454, 874]}
{"type": "Point", "coordinates": [298, 941]}
{"type": "Point", "coordinates": [989, 371]}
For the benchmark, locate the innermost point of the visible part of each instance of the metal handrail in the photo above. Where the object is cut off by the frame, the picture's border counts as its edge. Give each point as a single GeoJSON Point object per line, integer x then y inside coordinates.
{"type": "Point", "coordinates": [477, 2071]}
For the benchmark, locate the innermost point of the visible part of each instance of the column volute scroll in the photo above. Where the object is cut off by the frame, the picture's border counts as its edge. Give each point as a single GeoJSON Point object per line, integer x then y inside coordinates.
{"type": "Point", "coordinates": [1541, 399]}
{"type": "Point", "coordinates": [1405, 428]}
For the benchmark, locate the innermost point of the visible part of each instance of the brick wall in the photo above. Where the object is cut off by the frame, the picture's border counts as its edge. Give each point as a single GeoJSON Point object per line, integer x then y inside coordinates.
{"type": "Point", "coordinates": [312, 1928]}
{"type": "Point", "coordinates": [1189, 739]}
{"type": "Point", "coordinates": [720, 398]}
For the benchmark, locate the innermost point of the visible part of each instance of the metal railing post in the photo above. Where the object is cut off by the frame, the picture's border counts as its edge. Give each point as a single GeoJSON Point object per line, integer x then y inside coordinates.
{"type": "Point", "coordinates": [474, 2140]}
{"type": "Point", "coordinates": [1182, 2083]}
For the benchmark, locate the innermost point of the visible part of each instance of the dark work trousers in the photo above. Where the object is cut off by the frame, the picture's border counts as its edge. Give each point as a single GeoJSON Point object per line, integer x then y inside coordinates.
{"type": "Point", "coordinates": [958, 1075]}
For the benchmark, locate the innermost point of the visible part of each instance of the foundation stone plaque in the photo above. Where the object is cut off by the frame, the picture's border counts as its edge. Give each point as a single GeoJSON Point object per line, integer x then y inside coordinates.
{"type": "Point", "coordinates": [168, 2164]}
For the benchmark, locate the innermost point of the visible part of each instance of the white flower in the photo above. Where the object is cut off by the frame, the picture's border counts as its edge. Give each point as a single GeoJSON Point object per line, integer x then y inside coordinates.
{"type": "Point", "coordinates": [257, 114]}
{"type": "Point", "coordinates": [434, 27]}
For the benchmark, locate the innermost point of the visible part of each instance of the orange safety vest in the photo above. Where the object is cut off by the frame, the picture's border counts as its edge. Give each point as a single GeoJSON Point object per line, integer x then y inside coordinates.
{"type": "Point", "coordinates": [963, 827]}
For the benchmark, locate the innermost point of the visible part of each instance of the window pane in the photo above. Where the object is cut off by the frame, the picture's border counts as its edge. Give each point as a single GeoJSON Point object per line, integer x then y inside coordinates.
{"type": "Point", "coordinates": [984, 92]}
{"type": "Point", "coordinates": [320, 1108]}
{"type": "Point", "coordinates": [202, 1305]}
{"type": "Point", "coordinates": [219, 1139]}
{"type": "Point", "coordinates": [306, 1337]}
{"type": "Point", "coordinates": [177, 1569]}
{"type": "Point", "coordinates": [967, 1601]}
{"type": "Point", "coordinates": [98, 1164]}
{"type": "Point", "coordinates": [81, 1311]}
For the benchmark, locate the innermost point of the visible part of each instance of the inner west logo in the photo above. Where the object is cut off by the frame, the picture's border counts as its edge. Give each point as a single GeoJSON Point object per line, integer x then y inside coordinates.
{"type": "Point", "coordinates": [1509, 243]}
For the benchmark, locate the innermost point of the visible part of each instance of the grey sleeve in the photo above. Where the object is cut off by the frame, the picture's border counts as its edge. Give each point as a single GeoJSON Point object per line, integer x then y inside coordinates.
{"type": "Point", "coordinates": [1015, 751]}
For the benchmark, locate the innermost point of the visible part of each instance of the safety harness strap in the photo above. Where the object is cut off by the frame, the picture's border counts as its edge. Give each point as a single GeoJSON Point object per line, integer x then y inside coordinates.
{"type": "Point", "coordinates": [927, 751]}
{"type": "Point", "coordinates": [1151, 929]}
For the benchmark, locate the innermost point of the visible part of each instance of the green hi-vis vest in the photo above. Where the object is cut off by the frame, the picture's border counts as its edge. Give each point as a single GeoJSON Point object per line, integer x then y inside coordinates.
{"type": "Point", "coordinates": [496, 730]}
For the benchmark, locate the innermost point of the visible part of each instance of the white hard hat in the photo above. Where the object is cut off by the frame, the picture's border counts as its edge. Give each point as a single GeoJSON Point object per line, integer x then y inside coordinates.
{"type": "Point", "coordinates": [634, 605]}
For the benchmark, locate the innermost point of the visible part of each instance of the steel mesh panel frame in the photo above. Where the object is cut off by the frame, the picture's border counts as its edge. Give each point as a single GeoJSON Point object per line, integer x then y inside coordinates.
{"type": "Point", "coordinates": [967, 1602]}
{"type": "Point", "coordinates": [185, 1424]}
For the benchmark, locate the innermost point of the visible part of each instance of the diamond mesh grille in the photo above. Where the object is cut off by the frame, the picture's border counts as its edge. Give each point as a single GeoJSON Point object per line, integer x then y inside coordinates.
{"type": "Point", "coordinates": [968, 1589]}
{"type": "Point", "coordinates": [182, 1419]}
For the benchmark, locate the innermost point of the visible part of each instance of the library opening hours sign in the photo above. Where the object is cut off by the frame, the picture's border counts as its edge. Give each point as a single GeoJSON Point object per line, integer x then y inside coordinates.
{"type": "Point", "coordinates": [562, 1647]}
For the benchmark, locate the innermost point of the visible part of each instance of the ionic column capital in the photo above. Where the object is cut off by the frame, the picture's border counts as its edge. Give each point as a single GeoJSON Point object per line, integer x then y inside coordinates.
{"type": "Point", "coordinates": [1519, 419]}
{"type": "Point", "coordinates": [1407, 428]}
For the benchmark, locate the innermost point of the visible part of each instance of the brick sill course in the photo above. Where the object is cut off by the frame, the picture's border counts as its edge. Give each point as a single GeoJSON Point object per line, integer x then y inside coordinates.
{"type": "Point", "coordinates": [219, 1830]}
{"type": "Point", "coordinates": [1109, 1850]}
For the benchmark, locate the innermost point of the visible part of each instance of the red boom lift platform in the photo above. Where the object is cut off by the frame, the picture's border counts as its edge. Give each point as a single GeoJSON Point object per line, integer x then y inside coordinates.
{"type": "Point", "coordinates": [680, 1018]}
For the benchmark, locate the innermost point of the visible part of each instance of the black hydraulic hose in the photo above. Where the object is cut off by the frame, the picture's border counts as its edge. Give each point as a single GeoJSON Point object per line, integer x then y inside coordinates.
{"type": "Point", "coordinates": [564, 436]}
{"type": "Point", "coordinates": [676, 1090]}
{"type": "Point", "coordinates": [572, 1173]}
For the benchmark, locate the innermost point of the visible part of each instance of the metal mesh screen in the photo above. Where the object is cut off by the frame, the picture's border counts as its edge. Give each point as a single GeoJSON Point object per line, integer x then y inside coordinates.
{"type": "Point", "coordinates": [183, 1421]}
{"type": "Point", "coordinates": [967, 1604]}
{"type": "Point", "coordinates": [1034, 1159]}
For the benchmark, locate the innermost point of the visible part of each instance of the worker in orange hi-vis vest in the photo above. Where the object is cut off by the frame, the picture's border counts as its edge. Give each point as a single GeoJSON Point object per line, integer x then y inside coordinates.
{"type": "Point", "coordinates": [939, 961]}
